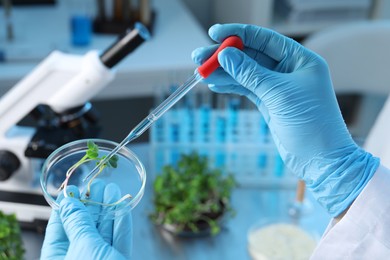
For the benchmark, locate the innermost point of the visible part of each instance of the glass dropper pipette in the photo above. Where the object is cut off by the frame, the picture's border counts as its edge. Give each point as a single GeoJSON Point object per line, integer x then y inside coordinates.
{"type": "Point", "coordinates": [203, 71]}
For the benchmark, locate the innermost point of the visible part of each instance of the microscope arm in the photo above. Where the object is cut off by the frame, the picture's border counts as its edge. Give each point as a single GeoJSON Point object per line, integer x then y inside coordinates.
{"type": "Point", "coordinates": [64, 81]}
{"type": "Point", "coordinates": [61, 81]}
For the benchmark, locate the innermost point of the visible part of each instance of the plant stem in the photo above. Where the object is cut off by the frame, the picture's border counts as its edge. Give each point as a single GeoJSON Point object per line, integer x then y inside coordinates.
{"type": "Point", "coordinates": [73, 168]}
{"type": "Point", "coordinates": [127, 196]}
{"type": "Point", "coordinates": [101, 168]}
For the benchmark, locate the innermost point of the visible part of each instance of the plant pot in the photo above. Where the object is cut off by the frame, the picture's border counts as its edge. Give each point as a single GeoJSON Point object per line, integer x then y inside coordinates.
{"type": "Point", "coordinates": [203, 226]}
{"type": "Point", "coordinates": [204, 229]}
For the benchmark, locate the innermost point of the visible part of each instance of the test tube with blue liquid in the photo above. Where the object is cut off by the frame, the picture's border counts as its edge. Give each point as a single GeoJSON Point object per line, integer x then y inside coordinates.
{"type": "Point", "coordinates": [174, 122]}
{"type": "Point", "coordinates": [186, 115]}
{"type": "Point", "coordinates": [248, 135]}
{"type": "Point", "coordinates": [80, 21]}
{"type": "Point", "coordinates": [232, 115]}
{"type": "Point", "coordinates": [204, 116]}
{"type": "Point", "coordinates": [158, 133]}
{"type": "Point", "coordinates": [278, 166]}
{"type": "Point", "coordinates": [263, 156]}
{"type": "Point", "coordinates": [220, 131]}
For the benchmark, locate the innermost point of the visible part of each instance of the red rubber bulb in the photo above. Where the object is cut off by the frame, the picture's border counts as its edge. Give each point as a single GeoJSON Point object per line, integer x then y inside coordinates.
{"type": "Point", "coordinates": [210, 65]}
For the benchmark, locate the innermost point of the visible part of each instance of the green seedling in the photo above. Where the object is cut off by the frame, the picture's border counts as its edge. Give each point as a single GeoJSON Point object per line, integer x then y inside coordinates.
{"type": "Point", "coordinates": [92, 154]}
{"type": "Point", "coordinates": [190, 193]}
{"type": "Point", "coordinates": [11, 242]}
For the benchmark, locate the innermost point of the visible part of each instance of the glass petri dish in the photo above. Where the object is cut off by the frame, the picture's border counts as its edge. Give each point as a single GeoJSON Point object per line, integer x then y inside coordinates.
{"type": "Point", "coordinates": [129, 176]}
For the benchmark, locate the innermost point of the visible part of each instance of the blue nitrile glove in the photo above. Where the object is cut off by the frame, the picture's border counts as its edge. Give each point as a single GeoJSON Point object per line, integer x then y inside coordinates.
{"type": "Point", "coordinates": [72, 233]}
{"type": "Point", "coordinates": [292, 88]}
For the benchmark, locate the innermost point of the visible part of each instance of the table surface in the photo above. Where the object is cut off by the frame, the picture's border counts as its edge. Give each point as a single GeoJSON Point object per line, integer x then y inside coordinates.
{"type": "Point", "coordinates": [252, 205]}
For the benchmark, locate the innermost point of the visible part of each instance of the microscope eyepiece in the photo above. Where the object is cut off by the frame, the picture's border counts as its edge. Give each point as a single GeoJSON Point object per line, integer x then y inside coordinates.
{"type": "Point", "coordinates": [126, 44]}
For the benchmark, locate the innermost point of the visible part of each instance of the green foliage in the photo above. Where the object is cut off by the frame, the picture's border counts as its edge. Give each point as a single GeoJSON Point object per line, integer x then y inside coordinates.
{"type": "Point", "coordinates": [11, 244]}
{"type": "Point", "coordinates": [93, 150]}
{"type": "Point", "coordinates": [112, 162]}
{"type": "Point", "coordinates": [91, 154]}
{"type": "Point", "coordinates": [191, 193]}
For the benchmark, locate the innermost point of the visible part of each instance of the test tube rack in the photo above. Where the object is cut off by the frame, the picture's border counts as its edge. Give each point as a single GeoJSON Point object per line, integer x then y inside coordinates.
{"type": "Point", "coordinates": [228, 130]}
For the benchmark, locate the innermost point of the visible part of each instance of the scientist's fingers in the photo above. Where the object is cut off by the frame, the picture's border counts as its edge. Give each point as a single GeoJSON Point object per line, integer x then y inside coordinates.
{"type": "Point", "coordinates": [230, 89]}
{"type": "Point", "coordinates": [55, 230]}
{"type": "Point", "coordinates": [82, 233]}
{"type": "Point", "coordinates": [96, 195]}
{"type": "Point", "coordinates": [112, 194]}
{"type": "Point", "coordinates": [123, 234]}
{"type": "Point", "coordinates": [77, 221]}
{"type": "Point", "coordinates": [220, 77]}
{"type": "Point", "coordinates": [264, 40]}
{"type": "Point", "coordinates": [235, 89]}
{"type": "Point", "coordinates": [56, 242]}
{"type": "Point", "coordinates": [247, 72]}
{"type": "Point", "coordinates": [201, 54]}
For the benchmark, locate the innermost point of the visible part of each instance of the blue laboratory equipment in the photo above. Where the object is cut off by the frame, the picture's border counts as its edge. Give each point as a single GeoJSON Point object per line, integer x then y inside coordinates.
{"type": "Point", "coordinates": [174, 129]}
{"type": "Point", "coordinates": [81, 29]}
{"type": "Point", "coordinates": [220, 120]}
{"type": "Point", "coordinates": [249, 154]}
{"type": "Point", "coordinates": [203, 119]}
{"type": "Point", "coordinates": [159, 132]}
{"type": "Point", "coordinates": [80, 13]}
{"type": "Point", "coordinates": [279, 166]}
{"type": "Point", "coordinates": [232, 130]}
{"type": "Point", "coordinates": [160, 124]}
{"type": "Point", "coordinates": [219, 137]}
{"type": "Point", "coordinates": [263, 130]}
{"type": "Point", "coordinates": [232, 119]}
{"type": "Point", "coordinates": [263, 134]}
{"type": "Point", "coordinates": [262, 160]}
{"type": "Point", "coordinates": [186, 115]}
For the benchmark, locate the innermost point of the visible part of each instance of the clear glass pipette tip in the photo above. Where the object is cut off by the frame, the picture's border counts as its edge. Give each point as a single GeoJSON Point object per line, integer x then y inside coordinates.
{"type": "Point", "coordinates": [151, 118]}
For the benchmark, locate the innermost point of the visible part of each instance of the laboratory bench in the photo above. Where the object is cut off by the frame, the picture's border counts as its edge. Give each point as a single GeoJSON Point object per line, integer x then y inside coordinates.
{"type": "Point", "coordinates": [251, 205]}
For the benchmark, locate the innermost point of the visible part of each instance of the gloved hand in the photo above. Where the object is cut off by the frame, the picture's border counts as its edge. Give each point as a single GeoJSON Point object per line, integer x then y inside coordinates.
{"type": "Point", "coordinates": [73, 233]}
{"type": "Point", "coordinates": [292, 88]}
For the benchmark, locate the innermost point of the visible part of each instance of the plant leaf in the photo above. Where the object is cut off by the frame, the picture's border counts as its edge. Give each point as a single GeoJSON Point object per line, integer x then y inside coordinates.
{"type": "Point", "coordinates": [91, 145]}
{"type": "Point", "coordinates": [92, 154]}
{"type": "Point", "coordinates": [93, 150]}
{"type": "Point", "coordinates": [113, 161]}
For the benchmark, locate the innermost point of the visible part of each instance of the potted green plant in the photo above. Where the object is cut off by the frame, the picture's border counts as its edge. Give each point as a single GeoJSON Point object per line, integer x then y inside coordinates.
{"type": "Point", "coordinates": [190, 198]}
{"type": "Point", "coordinates": [11, 244]}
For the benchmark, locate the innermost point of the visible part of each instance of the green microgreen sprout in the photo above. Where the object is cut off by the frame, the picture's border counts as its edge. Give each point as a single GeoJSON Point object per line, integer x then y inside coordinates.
{"type": "Point", "coordinates": [191, 192]}
{"type": "Point", "coordinates": [92, 154]}
{"type": "Point", "coordinates": [11, 239]}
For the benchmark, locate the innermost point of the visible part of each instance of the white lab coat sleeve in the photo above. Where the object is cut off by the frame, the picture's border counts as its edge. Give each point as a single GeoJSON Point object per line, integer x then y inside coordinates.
{"type": "Point", "coordinates": [364, 231]}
